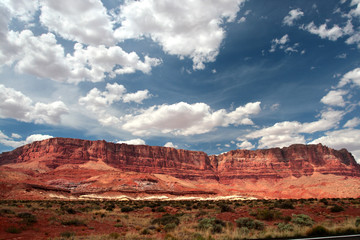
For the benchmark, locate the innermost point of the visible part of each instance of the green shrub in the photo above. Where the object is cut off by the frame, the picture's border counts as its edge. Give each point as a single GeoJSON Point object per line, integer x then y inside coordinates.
{"type": "Point", "coordinates": [166, 219]}
{"type": "Point", "coordinates": [302, 220]}
{"type": "Point", "coordinates": [73, 222]}
{"type": "Point", "coordinates": [285, 227]}
{"type": "Point", "coordinates": [318, 231]}
{"type": "Point", "coordinates": [109, 207]}
{"type": "Point", "coordinates": [160, 209]}
{"type": "Point", "coordinates": [67, 234]}
{"type": "Point", "coordinates": [336, 208]}
{"type": "Point", "coordinates": [357, 222]}
{"type": "Point", "coordinates": [127, 209]}
{"type": "Point", "coordinates": [324, 201]}
{"type": "Point", "coordinates": [225, 208]}
{"type": "Point", "coordinates": [250, 223]}
{"type": "Point", "coordinates": [13, 229]}
{"type": "Point", "coordinates": [169, 227]}
{"type": "Point", "coordinates": [118, 225]}
{"type": "Point", "coordinates": [114, 235]}
{"type": "Point", "coordinates": [198, 236]}
{"type": "Point", "coordinates": [285, 205]}
{"type": "Point", "coordinates": [215, 225]}
{"type": "Point", "coordinates": [6, 211]}
{"type": "Point", "coordinates": [27, 218]}
{"type": "Point", "coordinates": [145, 231]}
{"type": "Point", "coordinates": [267, 214]}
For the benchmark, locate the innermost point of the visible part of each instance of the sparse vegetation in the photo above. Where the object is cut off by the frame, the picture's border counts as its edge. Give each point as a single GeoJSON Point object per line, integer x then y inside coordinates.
{"type": "Point", "coordinates": [259, 219]}
{"type": "Point", "coordinates": [336, 208]}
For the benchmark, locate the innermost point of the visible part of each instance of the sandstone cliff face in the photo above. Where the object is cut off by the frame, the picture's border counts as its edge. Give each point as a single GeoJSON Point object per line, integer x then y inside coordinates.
{"type": "Point", "coordinates": [276, 163]}
{"type": "Point", "coordinates": [56, 152]}
{"type": "Point", "coordinates": [296, 160]}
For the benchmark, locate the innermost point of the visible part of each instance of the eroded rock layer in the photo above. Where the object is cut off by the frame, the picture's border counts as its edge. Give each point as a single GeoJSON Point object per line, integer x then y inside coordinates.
{"type": "Point", "coordinates": [77, 167]}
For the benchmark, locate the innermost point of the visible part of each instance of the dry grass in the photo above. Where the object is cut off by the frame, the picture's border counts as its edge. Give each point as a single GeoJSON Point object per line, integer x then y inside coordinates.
{"type": "Point", "coordinates": [101, 223]}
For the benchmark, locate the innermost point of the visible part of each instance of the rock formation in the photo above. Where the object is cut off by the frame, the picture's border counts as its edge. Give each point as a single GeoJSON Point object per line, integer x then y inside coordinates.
{"type": "Point", "coordinates": [82, 166]}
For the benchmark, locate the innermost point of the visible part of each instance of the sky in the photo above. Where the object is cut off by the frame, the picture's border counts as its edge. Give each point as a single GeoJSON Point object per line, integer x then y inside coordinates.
{"type": "Point", "coordinates": [210, 76]}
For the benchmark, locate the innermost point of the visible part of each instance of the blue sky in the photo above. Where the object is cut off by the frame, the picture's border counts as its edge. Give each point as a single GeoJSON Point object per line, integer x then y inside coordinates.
{"type": "Point", "coordinates": [200, 75]}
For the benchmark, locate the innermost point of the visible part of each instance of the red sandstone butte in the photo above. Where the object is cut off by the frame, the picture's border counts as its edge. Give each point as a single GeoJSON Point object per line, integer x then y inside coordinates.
{"type": "Point", "coordinates": [63, 167]}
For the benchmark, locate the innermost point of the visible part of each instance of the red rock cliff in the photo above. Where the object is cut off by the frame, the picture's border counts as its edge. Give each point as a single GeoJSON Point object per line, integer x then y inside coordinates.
{"type": "Point", "coordinates": [296, 160]}
{"type": "Point", "coordinates": [142, 158]}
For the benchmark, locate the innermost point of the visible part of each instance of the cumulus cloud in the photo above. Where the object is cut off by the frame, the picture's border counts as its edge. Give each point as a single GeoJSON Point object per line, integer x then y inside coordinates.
{"type": "Point", "coordinates": [287, 133]}
{"type": "Point", "coordinates": [85, 21]}
{"type": "Point", "coordinates": [137, 97]}
{"type": "Point", "coordinates": [356, 11]}
{"type": "Point", "coordinates": [279, 135]}
{"type": "Point", "coordinates": [23, 10]}
{"type": "Point", "coordinates": [43, 57]}
{"type": "Point", "coordinates": [136, 141]}
{"type": "Point", "coordinates": [15, 135]}
{"type": "Point", "coordinates": [345, 138]}
{"type": "Point", "coordinates": [170, 144]}
{"type": "Point", "coordinates": [350, 77]}
{"type": "Point", "coordinates": [293, 15]}
{"type": "Point", "coordinates": [14, 104]}
{"type": "Point", "coordinates": [354, 122]}
{"type": "Point", "coordinates": [245, 145]}
{"type": "Point", "coordinates": [186, 119]}
{"type": "Point", "coordinates": [332, 34]}
{"type": "Point", "coordinates": [186, 29]}
{"type": "Point", "coordinates": [91, 63]}
{"type": "Point", "coordinates": [97, 101]}
{"type": "Point", "coordinates": [11, 142]}
{"type": "Point", "coordinates": [334, 98]}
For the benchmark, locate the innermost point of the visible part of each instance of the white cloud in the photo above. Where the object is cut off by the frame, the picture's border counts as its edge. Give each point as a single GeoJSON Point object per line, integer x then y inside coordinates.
{"type": "Point", "coordinates": [91, 63]}
{"type": "Point", "coordinates": [345, 138]}
{"type": "Point", "coordinates": [245, 145]}
{"type": "Point", "coordinates": [242, 19]}
{"type": "Point", "coordinates": [354, 39]}
{"type": "Point", "coordinates": [43, 57]}
{"type": "Point", "coordinates": [36, 137]}
{"type": "Point", "coordinates": [352, 122]}
{"type": "Point", "coordinates": [186, 119]}
{"type": "Point", "coordinates": [15, 135]}
{"type": "Point", "coordinates": [293, 15]}
{"type": "Point", "coordinates": [137, 97]}
{"type": "Point", "coordinates": [84, 21]}
{"type": "Point", "coordinates": [40, 56]}
{"type": "Point", "coordinates": [332, 34]}
{"type": "Point", "coordinates": [286, 133]}
{"type": "Point", "coordinates": [329, 119]}
{"type": "Point", "coordinates": [14, 104]}
{"type": "Point", "coordinates": [186, 29]}
{"type": "Point", "coordinates": [356, 11]}
{"type": "Point", "coordinates": [334, 98]}
{"type": "Point", "coordinates": [9, 141]}
{"type": "Point", "coordinates": [279, 43]}
{"type": "Point", "coordinates": [97, 101]}
{"type": "Point", "coordinates": [136, 141]}
{"type": "Point", "coordinates": [170, 144]}
{"type": "Point", "coordinates": [279, 135]}
{"type": "Point", "coordinates": [350, 77]}
{"type": "Point", "coordinates": [22, 9]}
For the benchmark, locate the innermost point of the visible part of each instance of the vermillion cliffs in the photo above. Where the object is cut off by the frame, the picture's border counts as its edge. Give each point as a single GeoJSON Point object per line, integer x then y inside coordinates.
{"type": "Point", "coordinates": [74, 168]}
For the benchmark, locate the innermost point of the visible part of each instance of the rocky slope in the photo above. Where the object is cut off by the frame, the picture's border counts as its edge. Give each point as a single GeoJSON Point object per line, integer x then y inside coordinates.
{"type": "Point", "coordinates": [74, 167]}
